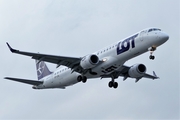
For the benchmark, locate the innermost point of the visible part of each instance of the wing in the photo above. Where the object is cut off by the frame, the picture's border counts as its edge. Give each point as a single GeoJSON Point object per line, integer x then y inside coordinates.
{"type": "Point", "coordinates": [31, 82]}
{"type": "Point", "coordinates": [71, 62]}
{"type": "Point", "coordinates": [123, 71]}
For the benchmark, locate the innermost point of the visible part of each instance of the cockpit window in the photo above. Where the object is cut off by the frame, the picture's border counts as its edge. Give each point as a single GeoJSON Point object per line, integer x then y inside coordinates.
{"type": "Point", "coordinates": [154, 29]}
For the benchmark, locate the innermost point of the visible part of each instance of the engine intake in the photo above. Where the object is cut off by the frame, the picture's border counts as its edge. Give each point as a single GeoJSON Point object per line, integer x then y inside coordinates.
{"type": "Point", "coordinates": [137, 70]}
{"type": "Point", "coordinates": [89, 61]}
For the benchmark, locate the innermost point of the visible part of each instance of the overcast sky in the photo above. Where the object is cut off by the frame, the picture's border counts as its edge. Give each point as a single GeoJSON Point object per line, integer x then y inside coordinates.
{"type": "Point", "coordinates": [76, 28]}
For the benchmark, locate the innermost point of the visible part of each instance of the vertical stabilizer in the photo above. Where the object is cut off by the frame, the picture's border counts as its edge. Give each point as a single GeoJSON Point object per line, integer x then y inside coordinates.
{"type": "Point", "coordinates": [42, 69]}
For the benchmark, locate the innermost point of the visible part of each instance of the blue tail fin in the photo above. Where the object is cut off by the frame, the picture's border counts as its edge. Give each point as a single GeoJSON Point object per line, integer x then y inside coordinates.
{"type": "Point", "coordinates": [42, 69]}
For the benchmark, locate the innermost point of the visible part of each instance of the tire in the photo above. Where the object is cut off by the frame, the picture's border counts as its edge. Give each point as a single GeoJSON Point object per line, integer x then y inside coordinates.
{"type": "Point", "coordinates": [115, 85]}
{"type": "Point", "coordinates": [110, 84]}
{"type": "Point", "coordinates": [79, 78]}
{"type": "Point", "coordinates": [150, 57]}
{"type": "Point", "coordinates": [153, 57]}
{"type": "Point", "coordinates": [84, 80]}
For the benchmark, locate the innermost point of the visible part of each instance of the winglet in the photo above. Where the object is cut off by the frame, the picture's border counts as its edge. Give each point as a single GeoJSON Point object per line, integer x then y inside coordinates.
{"type": "Point", "coordinates": [155, 75]}
{"type": "Point", "coordinates": [11, 49]}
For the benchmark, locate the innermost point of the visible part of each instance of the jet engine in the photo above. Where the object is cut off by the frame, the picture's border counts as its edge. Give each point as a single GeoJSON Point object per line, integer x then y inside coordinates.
{"type": "Point", "coordinates": [89, 61]}
{"type": "Point", "coordinates": [137, 70]}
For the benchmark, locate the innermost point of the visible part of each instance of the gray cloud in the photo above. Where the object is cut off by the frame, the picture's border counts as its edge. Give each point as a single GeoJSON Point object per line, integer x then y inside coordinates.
{"type": "Point", "coordinates": [76, 28]}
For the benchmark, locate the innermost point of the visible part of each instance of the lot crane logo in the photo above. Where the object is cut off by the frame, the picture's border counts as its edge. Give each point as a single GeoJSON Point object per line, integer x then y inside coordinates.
{"type": "Point", "coordinates": [40, 68]}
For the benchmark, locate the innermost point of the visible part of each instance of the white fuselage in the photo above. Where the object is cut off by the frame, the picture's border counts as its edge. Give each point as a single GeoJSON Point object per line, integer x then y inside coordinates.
{"type": "Point", "coordinates": [112, 58]}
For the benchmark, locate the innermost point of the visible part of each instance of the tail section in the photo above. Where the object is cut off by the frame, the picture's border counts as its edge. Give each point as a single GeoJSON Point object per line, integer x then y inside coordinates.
{"type": "Point", "coordinates": [42, 69]}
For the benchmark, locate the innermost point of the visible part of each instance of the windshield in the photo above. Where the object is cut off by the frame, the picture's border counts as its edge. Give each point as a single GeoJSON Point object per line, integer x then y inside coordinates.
{"type": "Point", "coordinates": [154, 29]}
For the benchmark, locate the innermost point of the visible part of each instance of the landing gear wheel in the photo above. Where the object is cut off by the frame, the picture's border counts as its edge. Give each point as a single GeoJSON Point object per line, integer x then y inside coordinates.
{"type": "Point", "coordinates": [110, 84]}
{"type": "Point", "coordinates": [84, 79]}
{"type": "Point", "coordinates": [115, 85]}
{"type": "Point", "coordinates": [79, 78]}
{"type": "Point", "coordinates": [151, 57]}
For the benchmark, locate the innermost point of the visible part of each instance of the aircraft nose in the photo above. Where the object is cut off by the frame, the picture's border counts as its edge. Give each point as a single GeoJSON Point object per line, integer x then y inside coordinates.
{"type": "Point", "coordinates": [164, 36]}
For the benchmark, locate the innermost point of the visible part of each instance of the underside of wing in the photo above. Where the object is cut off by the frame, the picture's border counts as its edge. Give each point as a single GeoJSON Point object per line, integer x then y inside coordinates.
{"type": "Point", "coordinates": [124, 72]}
{"type": "Point", "coordinates": [26, 81]}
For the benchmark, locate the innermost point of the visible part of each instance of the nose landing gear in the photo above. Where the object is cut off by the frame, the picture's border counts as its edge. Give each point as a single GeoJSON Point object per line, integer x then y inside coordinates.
{"type": "Point", "coordinates": [152, 49]}
{"type": "Point", "coordinates": [151, 57]}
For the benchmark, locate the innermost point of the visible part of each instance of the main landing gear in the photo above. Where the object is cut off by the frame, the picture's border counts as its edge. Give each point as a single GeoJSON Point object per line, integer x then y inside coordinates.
{"type": "Point", "coordinates": [112, 83]}
{"type": "Point", "coordinates": [152, 49]}
{"type": "Point", "coordinates": [82, 78]}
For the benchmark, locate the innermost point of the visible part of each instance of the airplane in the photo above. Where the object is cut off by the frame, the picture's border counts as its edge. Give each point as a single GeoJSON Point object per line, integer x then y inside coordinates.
{"type": "Point", "coordinates": [104, 63]}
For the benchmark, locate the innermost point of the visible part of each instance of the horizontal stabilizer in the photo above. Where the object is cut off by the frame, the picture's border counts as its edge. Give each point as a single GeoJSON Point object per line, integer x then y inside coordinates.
{"type": "Point", "coordinates": [31, 82]}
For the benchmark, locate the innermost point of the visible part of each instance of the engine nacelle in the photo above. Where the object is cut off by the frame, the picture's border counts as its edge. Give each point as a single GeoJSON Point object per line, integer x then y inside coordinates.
{"type": "Point", "coordinates": [137, 70]}
{"type": "Point", "coordinates": [89, 61]}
